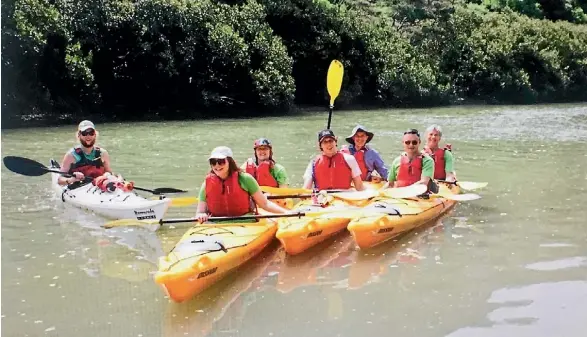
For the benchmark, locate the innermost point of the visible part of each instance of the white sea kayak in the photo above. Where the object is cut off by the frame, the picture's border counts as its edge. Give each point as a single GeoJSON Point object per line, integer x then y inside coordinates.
{"type": "Point", "coordinates": [114, 205]}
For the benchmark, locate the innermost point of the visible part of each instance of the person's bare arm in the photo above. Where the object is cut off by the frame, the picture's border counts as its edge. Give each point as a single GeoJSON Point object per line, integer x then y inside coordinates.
{"type": "Point", "coordinates": [66, 163]}
{"type": "Point", "coordinates": [358, 182]}
{"type": "Point", "coordinates": [450, 177]}
{"type": "Point", "coordinates": [261, 201]}
{"type": "Point", "coordinates": [202, 212]}
{"type": "Point", "coordinates": [106, 160]}
{"type": "Point", "coordinates": [308, 176]}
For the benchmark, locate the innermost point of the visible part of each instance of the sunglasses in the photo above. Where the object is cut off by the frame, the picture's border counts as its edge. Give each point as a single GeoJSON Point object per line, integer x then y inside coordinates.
{"type": "Point", "coordinates": [90, 132]}
{"type": "Point", "coordinates": [414, 142]}
{"type": "Point", "coordinates": [217, 161]}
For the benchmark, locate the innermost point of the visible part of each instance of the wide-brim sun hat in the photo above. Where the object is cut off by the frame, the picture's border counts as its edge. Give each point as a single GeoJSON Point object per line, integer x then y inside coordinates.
{"type": "Point", "coordinates": [356, 129]}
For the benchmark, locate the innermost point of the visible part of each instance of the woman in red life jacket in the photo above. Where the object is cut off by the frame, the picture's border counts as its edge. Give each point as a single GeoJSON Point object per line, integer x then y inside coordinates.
{"type": "Point", "coordinates": [264, 168]}
{"type": "Point", "coordinates": [227, 191]}
{"type": "Point", "coordinates": [86, 159]}
{"type": "Point", "coordinates": [369, 159]}
{"type": "Point", "coordinates": [443, 158]}
{"type": "Point", "coordinates": [332, 169]}
{"type": "Point", "coordinates": [412, 166]}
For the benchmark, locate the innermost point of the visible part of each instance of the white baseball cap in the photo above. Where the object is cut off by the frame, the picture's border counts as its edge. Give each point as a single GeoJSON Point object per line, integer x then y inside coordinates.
{"type": "Point", "coordinates": [221, 152]}
{"type": "Point", "coordinates": [84, 125]}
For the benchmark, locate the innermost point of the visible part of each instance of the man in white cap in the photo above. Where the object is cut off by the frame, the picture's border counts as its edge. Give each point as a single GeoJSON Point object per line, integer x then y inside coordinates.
{"type": "Point", "coordinates": [332, 169]}
{"type": "Point", "coordinates": [85, 159]}
{"type": "Point", "coordinates": [368, 158]}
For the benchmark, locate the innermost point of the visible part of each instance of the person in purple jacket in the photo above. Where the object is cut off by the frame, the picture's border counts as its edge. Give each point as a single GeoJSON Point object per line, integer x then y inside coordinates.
{"type": "Point", "coordinates": [369, 159]}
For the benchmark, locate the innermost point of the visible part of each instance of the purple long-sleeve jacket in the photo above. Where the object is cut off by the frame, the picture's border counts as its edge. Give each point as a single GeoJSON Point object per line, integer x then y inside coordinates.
{"type": "Point", "coordinates": [373, 161]}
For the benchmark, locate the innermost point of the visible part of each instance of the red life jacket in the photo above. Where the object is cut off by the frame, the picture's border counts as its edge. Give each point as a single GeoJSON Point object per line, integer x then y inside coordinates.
{"type": "Point", "coordinates": [409, 172]}
{"type": "Point", "coordinates": [439, 162]}
{"type": "Point", "coordinates": [262, 173]}
{"type": "Point", "coordinates": [90, 168]}
{"type": "Point", "coordinates": [360, 157]}
{"type": "Point", "coordinates": [226, 197]}
{"type": "Point", "coordinates": [332, 172]}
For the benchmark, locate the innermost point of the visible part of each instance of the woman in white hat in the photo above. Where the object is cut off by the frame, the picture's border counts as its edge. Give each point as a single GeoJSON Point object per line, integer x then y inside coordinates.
{"type": "Point", "coordinates": [227, 191]}
{"type": "Point", "coordinates": [368, 158]}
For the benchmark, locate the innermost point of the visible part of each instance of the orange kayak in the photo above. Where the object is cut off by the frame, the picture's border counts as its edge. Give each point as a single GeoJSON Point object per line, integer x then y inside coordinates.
{"type": "Point", "coordinates": [372, 229]}
{"type": "Point", "coordinates": [298, 234]}
{"type": "Point", "coordinates": [229, 297]}
{"type": "Point", "coordinates": [207, 253]}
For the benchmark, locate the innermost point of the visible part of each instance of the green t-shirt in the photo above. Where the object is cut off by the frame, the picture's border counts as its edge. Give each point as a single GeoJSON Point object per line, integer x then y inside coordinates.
{"type": "Point", "coordinates": [448, 162]}
{"type": "Point", "coordinates": [245, 180]}
{"type": "Point", "coordinates": [277, 171]}
{"type": "Point", "coordinates": [427, 168]}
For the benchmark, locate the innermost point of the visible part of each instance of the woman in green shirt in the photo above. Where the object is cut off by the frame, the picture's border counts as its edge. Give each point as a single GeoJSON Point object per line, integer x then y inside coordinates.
{"type": "Point", "coordinates": [227, 191]}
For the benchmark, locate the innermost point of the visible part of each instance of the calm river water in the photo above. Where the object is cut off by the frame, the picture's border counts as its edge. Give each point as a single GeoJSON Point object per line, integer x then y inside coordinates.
{"type": "Point", "coordinates": [513, 263]}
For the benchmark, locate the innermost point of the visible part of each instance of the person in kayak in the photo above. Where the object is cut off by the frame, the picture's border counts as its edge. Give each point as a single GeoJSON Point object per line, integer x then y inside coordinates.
{"type": "Point", "coordinates": [263, 168]}
{"type": "Point", "coordinates": [332, 169]}
{"type": "Point", "coordinates": [86, 159]}
{"type": "Point", "coordinates": [412, 166]}
{"type": "Point", "coordinates": [443, 158]}
{"type": "Point", "coordinates": [227, 191]}
{"type": "Point", "coordinates": [368, 158]}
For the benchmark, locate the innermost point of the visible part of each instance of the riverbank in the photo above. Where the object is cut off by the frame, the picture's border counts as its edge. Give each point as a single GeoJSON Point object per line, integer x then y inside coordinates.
{"type": "Point", "coordinates": [40, 120]}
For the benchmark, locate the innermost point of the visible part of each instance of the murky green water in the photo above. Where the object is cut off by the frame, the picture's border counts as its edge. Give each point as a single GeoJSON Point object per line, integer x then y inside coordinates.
{"type": "Point", "coordinates": [511, 264]}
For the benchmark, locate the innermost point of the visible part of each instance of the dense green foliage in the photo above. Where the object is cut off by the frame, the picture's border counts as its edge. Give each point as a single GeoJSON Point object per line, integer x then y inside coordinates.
{"type": "Point", "coordinates": [127, 58]}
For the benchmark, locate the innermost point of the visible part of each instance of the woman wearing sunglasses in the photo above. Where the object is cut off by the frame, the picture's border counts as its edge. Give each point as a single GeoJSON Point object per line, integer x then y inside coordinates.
{"type": "Point", "coordinates": [412, 166]}
{"type": "Point", "coordinates": [263, 168]}
{"type": "Point", "coordinates": [227, 191]}
{"type": "Point", "coordinates": [86, 159]}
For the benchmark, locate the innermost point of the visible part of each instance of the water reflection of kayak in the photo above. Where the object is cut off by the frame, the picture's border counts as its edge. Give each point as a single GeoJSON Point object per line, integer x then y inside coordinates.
{"type": "Point", "coordinates": [230, 296]}
{"type": "Point", "coordinates": [300, 270]}
{"type": "Point", "coordinates": [368, 266]}
{"type": "Point", "coordinates": [122, 253]}
{"type": "Point", "coordinates": [340, 263]}
{"type": "Point", "coordinates": [129, 255]}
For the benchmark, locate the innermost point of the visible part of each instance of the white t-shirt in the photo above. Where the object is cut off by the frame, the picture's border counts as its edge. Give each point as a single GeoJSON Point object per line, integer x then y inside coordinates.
{"type": "Point", "coordinates": [350, 160]}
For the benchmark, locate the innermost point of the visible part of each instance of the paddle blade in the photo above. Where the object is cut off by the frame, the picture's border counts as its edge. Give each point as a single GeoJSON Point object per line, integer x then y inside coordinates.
{"type": "Point", "coordinates": [471, 185]}
{"type": "Point", "coordinates": [404, 192]}
{"type": "Point", "coordinates": [460, 197]}
{"type": "Point", "coordinates": [284, 191]}
{"type": "Point", "coordinates": [167, 190]}
{"type": "Point", "coordinates": [24, 166]}
{"type": "Point", "coordinates": [356, 195]}
{"type": "Point", "coordinates": [334, 79]}
{"type": "Point", "coordinates": [151, 224]}
{"type": "Point", "coordinates": [184, 202]}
